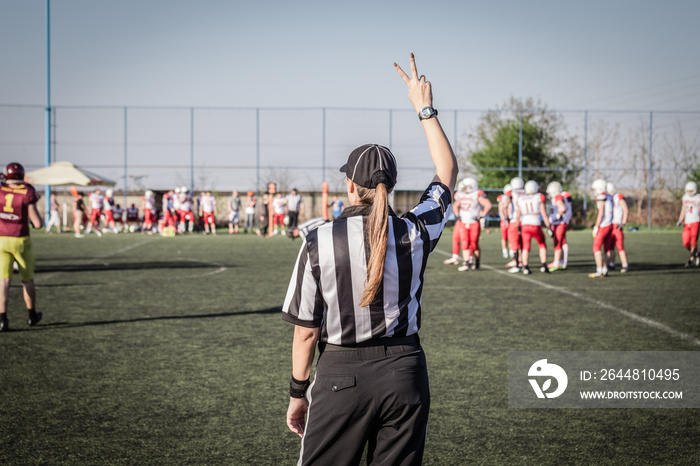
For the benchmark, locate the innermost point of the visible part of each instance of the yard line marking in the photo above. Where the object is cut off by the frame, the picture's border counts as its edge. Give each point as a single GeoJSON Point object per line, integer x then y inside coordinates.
{"type": "Point", "coordinates": [97, 259]}
{"type": "Point", "coordinates": [631, 315]}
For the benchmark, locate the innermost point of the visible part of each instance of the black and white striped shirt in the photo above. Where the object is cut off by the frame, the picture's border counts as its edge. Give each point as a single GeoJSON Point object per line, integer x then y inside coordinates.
{"type": "Point", "coordinates": [331, 270]}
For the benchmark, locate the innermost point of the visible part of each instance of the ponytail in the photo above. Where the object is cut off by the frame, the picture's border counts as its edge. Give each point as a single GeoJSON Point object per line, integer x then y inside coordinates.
{"type": "Point", "coordinates": [378, 236]}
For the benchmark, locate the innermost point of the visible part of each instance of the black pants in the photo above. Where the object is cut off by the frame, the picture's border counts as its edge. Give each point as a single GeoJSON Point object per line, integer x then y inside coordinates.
{"type": "Point", "coordinates": [293, 219]}
{"type": "Point", "coordinates": [375, 395]}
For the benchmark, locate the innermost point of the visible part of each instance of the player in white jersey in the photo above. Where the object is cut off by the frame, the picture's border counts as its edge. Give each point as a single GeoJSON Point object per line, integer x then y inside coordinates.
{"type": "Point", "coordinates": [503, 206]}
{"type": "Point", "coordinates": [560, 205]}
{"type": "Point", "coordinates": [617, 237]}
{"type": "Point", "coordinates": [690, 214]}
{"type": "Point", "coordinates": [603, 226]}
{"type": "Point", "coordinates": [515, 240]}
{"type": "Point", "coordinates": [473, 206]}
{"type": "Point", "coordinates": [184, 210]}
{"type": "Point", "coordinates": [207, 206]}
{"type": "Point", "coordinates": [148, 204]}
{"type": "Point", "coordinates": [107, 207]}
{"type": "Point", "coordinates": [96, 201]}
{"type": "Point", "coordinates": [530, 212]}
{"type": "Point", "coordinates": [459, 241]}
{"type": "Point", "coordinates": [279, 209]}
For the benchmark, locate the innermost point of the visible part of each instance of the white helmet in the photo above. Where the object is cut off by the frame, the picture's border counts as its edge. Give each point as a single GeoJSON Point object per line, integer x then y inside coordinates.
{"type": "Point", "coordinates": [460, 186]}
{"type": "Point", "coordinates": [470, 184]}
{"type": "Point", "coordinates": [599, 186]}
{"type": "Point", "coordinates": [149, 193]}
{"type": "Point", "coordinates": [506, 188]}
{"type": "Point", "coordinates": [691, 187]}
{"type": "Point", "coordinates": [184, 189]}
{"type": "Point", "coordinates": [531, 187]}
{"type": "Point", "coordinates": [109, 192]}
{"type": "Point", "coordinates": [610, 188]}
{"type": "Point", "coordinates": [177, 190]}
{"type": "Point", "coordinates": [554, 188]}
{"type": "Point", "coordinates": [517, 183]}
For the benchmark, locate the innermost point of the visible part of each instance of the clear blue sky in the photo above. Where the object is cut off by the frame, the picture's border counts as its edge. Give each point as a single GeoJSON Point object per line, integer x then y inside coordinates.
{"type": "Point", "coordinates": [631, 54]}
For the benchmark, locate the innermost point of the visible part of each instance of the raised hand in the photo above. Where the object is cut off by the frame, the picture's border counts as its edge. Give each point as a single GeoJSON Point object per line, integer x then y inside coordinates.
{"type": "Point", "coordinates": [419, 90]}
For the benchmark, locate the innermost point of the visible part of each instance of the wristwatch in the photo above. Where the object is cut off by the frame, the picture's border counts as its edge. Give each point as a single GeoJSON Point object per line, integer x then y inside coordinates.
{"type": "Point", "coordinates": [427, 112]}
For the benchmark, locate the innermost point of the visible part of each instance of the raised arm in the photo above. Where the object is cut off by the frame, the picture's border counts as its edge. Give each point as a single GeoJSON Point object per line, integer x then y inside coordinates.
{"type": "Point", "coordinates": [421, 95]}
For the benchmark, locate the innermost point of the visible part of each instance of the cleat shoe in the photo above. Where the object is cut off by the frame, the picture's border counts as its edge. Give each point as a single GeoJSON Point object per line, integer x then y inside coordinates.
{"type": "Point", "coordinates": [451, 260]}
{"type": "Point", "coordinates": [624, 269]}
{"type": "Point", "coordinates": [4, 324]}
{"type": "Point", "coordinates": [511, 264]}
{"type": "Point", "coordinates": [466, 266]}
{"type": "Point", "coordinates": [514, 270]}
{"type": "Point", "coordinates": [689, 264]}
{"type": "Point", "coordinates": [34, 318]}
{"type": "Point", "coordinates": [611, 267]}
{"type": "Point", "coordinates": [596, 275]}
{"type": "Point", "coordinates": [544, 269]}
{"type": "Point", "coordinates": [526, 270]}
{"type": "Point", "coordinates": [697, 260]}
{"type": "Point", "coordinates": [554, 268]}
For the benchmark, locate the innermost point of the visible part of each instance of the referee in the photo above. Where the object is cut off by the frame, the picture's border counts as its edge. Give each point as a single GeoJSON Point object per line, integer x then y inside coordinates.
{"type": "Point", "coordinates": [356, 291]}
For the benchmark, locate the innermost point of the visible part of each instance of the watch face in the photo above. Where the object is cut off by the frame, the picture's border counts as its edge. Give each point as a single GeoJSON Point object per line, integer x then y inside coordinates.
{"type": "Point", "coordinates": [425, 113]}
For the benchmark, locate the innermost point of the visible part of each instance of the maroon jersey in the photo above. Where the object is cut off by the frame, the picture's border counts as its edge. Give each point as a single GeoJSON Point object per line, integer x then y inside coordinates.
{"type": "Point", "coordinates": [14, 209]}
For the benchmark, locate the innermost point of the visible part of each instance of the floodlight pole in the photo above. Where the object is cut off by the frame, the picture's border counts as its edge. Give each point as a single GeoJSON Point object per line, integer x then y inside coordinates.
{"type": "Point", "coordinates": [585, 161]}
{"type": "Point", "coordinates": [47, 201]}
{"type": "Point", "coordinates": [126, 186]}
{"type": "Point", "coordinates": [192, 150]}
{"type": "Point", "coordinates": [257, 151]}
{"type": "Point", "coordinates": [520, 146]}
{"type": "Point", "coordinates": [651, 137]}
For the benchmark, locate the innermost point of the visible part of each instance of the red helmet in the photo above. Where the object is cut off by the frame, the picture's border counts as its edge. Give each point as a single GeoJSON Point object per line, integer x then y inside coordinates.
{"type": "Point", "coordinates": [14, 171]}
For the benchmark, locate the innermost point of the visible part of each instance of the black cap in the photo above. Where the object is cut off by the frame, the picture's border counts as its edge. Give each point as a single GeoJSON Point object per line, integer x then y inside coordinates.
{"type": "Point", "coordinates": [371, 164]}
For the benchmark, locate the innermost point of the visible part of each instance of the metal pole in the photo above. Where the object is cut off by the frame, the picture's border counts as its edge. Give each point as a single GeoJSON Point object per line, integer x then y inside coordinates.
{"type": "Point", "coordinates": [651, 137]}
{"type": "Point", "coordinates": [257, 151]}
{"type": "Point", "coordinates": [585, 162]}
{"type": "Point", "coordinates": [126, 186]}
{"type": "Point", "coordinates": [520, 147]}
{"type": "Point", "coordinates": [53, 134]}
{"type": "Point", "coordinates": [323, 163]}
{"type": "Point", "coordinates": [47, 201]}
{"type": "Point", "coordinates": [192, 150]}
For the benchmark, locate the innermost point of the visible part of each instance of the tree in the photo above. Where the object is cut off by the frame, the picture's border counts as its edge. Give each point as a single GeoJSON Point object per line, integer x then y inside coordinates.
{"type": "Point", "coordinates": [494, 145]}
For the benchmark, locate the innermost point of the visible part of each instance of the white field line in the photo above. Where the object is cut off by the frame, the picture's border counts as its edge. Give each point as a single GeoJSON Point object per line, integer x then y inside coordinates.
{"type": "Point", "coordinates": [631, 315]}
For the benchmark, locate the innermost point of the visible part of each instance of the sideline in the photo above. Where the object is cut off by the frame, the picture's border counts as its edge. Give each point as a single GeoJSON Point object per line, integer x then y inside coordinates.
{"type": "Point", "coordinates": [631, 315]}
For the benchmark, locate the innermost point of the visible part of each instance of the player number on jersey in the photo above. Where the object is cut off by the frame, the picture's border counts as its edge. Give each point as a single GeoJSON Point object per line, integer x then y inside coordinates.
{"type": "Point", "coordinates": [8, 203]}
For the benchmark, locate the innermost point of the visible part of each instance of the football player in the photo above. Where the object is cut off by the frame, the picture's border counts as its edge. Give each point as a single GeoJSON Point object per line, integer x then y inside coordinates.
{"type": "Point", "coordinates": [503, 206]}
{"type": "Point", "coordinates": [515, 240]}
{"type": "Point", "coordinates": [473, 206]}
{"type": "Point", "coordinates": [148, 204]}
{"type": "Point", "coordinates": [560, 204]}
{"type": "Point", "coordinates": [207, 204]}
{"type": "Point", "coordinates": [529, 213]}
{"type": "Point", "coordinates": [458, 232]}
{"type": "Point", "coordinates": [690, 213]}
{"type": "Point", "coordinates": [602, 228]}
{"type": "Point", "coordinates": [617, 238]}
{"type": "Point", "coordinates": [96, 201]}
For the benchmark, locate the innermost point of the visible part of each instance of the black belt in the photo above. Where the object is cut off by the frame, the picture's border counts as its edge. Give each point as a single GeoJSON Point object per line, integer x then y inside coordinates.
{"type": "Point", "coordinates": [387, 341]}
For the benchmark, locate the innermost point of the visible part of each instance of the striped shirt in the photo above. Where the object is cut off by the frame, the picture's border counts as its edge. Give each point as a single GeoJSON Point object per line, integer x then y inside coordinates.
{"type": "Point", "coordinates": [331, 272]}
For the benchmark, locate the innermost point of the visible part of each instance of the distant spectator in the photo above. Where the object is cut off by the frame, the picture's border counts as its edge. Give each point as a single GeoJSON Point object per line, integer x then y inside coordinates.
{"type": "Point", "coordinates": [55, 216]}
{"type": "Point", "coordinates": [337, 207]}
{"type": "Point", "coordinates": [295, 208]}
{"type": "Point", "coordinates": [234, 212]}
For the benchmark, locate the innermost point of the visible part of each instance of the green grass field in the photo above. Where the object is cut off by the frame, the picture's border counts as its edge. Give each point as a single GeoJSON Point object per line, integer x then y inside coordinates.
{"type": "Point", "coordinates": [172, 351]}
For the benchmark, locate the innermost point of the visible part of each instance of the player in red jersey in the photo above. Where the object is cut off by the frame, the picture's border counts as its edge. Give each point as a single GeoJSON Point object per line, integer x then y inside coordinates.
{"type": "Point", "coordinates": [690, 213]}
{"type": "Point", "coordinates": [617, 237]}
{"type": "Point", "coordinates": [503, 206]}
{"type": "Point", "coordinates": [603, 227]}
{"type": "Point", "coordinates": [473, 206]}
{"type": "Point", "coordinates": [515, 240]}
{"type": "Point", "coordinates": [17, 208]}
{"type": "Point", "coordinates": [530, 212]}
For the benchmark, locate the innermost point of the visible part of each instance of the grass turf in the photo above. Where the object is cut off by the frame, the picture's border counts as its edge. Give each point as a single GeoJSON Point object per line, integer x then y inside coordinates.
{"type": "Point", "coordinates": [172, 351]}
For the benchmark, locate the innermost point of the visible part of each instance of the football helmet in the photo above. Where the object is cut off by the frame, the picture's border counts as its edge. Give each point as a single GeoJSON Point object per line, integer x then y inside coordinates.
{"type": "Point", "coordinates": [149, 193]}
{"type": "Point", "coordinates": [610, 188]}
{"type": "Point", "coordinates": [109, 193]}
{"type": "Point", "coordinates": [517, 183]}
{"type": "Point", "coordinates": [554, 189]}
{"type": "Point", "coordinates": [599, 186]}
{"type": "Point", "coordinates": [470, 184]}
{"type": "Point", "coordinates": [531, 187]}
{"type": "Point", "coordinates": [14, 171]}
{"type": "Point", "coordinates": [507, 189]}
{"type": "Point", "coordinates": [691, 187]}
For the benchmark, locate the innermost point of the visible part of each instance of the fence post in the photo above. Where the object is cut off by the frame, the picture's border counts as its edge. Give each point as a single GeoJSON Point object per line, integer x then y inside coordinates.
{"type": "Point", "coordinates": [520, 146]}
{"type": "Point", "coordinates": [585, 163]}
{"type": "Point", "coordinates": [257, 151]}
{"type": "Point", "coordinates": [651, 136]}
{"type": "Point", "coordinates": [192, 150]}
{"type": "Point", "coordinates": [126, 186]}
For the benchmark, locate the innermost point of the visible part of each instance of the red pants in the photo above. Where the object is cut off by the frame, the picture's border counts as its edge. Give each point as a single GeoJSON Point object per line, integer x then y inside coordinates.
{"type": "Point", "coordinates": [472, 232]}
{"type": "Point", "coordinates": [559, 237]}
{"type": "Point", "coordinates": [95, 215]}
{"type": "Point", "coordinates": [459, 234]}
{"type": "Point", "coordinates": [602, 238]}
{"type": "Point", "coordinates": [530, 232]}
{"type": "Point", "coordinates": [504, 231]}
{"type": "Point", "coordinates": [514, 240]}
{"type": "Point", "coordinates": [278, 219]}
{"type": "Point", "coordinates": [208, 217]}
{"type": "Point", "coordinates": [108, 216]}
{"type": "Point", "coordinates": [690, 235]}
{"type": "Point", "coordinates": [185, 215]}
{"type": "Point", "coordinates": [616, 240]}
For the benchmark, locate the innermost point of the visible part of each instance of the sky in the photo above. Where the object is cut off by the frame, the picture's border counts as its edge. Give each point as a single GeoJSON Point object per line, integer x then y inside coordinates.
{"type": "Point", "coordinates": [609, 54]}
{"type": "Point", "coordinates": [605, 55]}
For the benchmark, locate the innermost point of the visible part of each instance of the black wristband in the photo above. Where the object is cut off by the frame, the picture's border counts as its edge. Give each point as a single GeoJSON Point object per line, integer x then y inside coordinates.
{"type": "Point", "coordinates": [297, 388]}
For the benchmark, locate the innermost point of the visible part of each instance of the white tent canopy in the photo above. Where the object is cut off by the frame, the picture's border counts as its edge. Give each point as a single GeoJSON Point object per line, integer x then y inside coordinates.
{"type": "Point", "coordinates": [66, 173]}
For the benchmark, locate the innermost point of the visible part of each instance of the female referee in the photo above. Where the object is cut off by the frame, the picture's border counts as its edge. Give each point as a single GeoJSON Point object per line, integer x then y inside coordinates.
{"type": "Point", "coordinates": [356, 291]}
